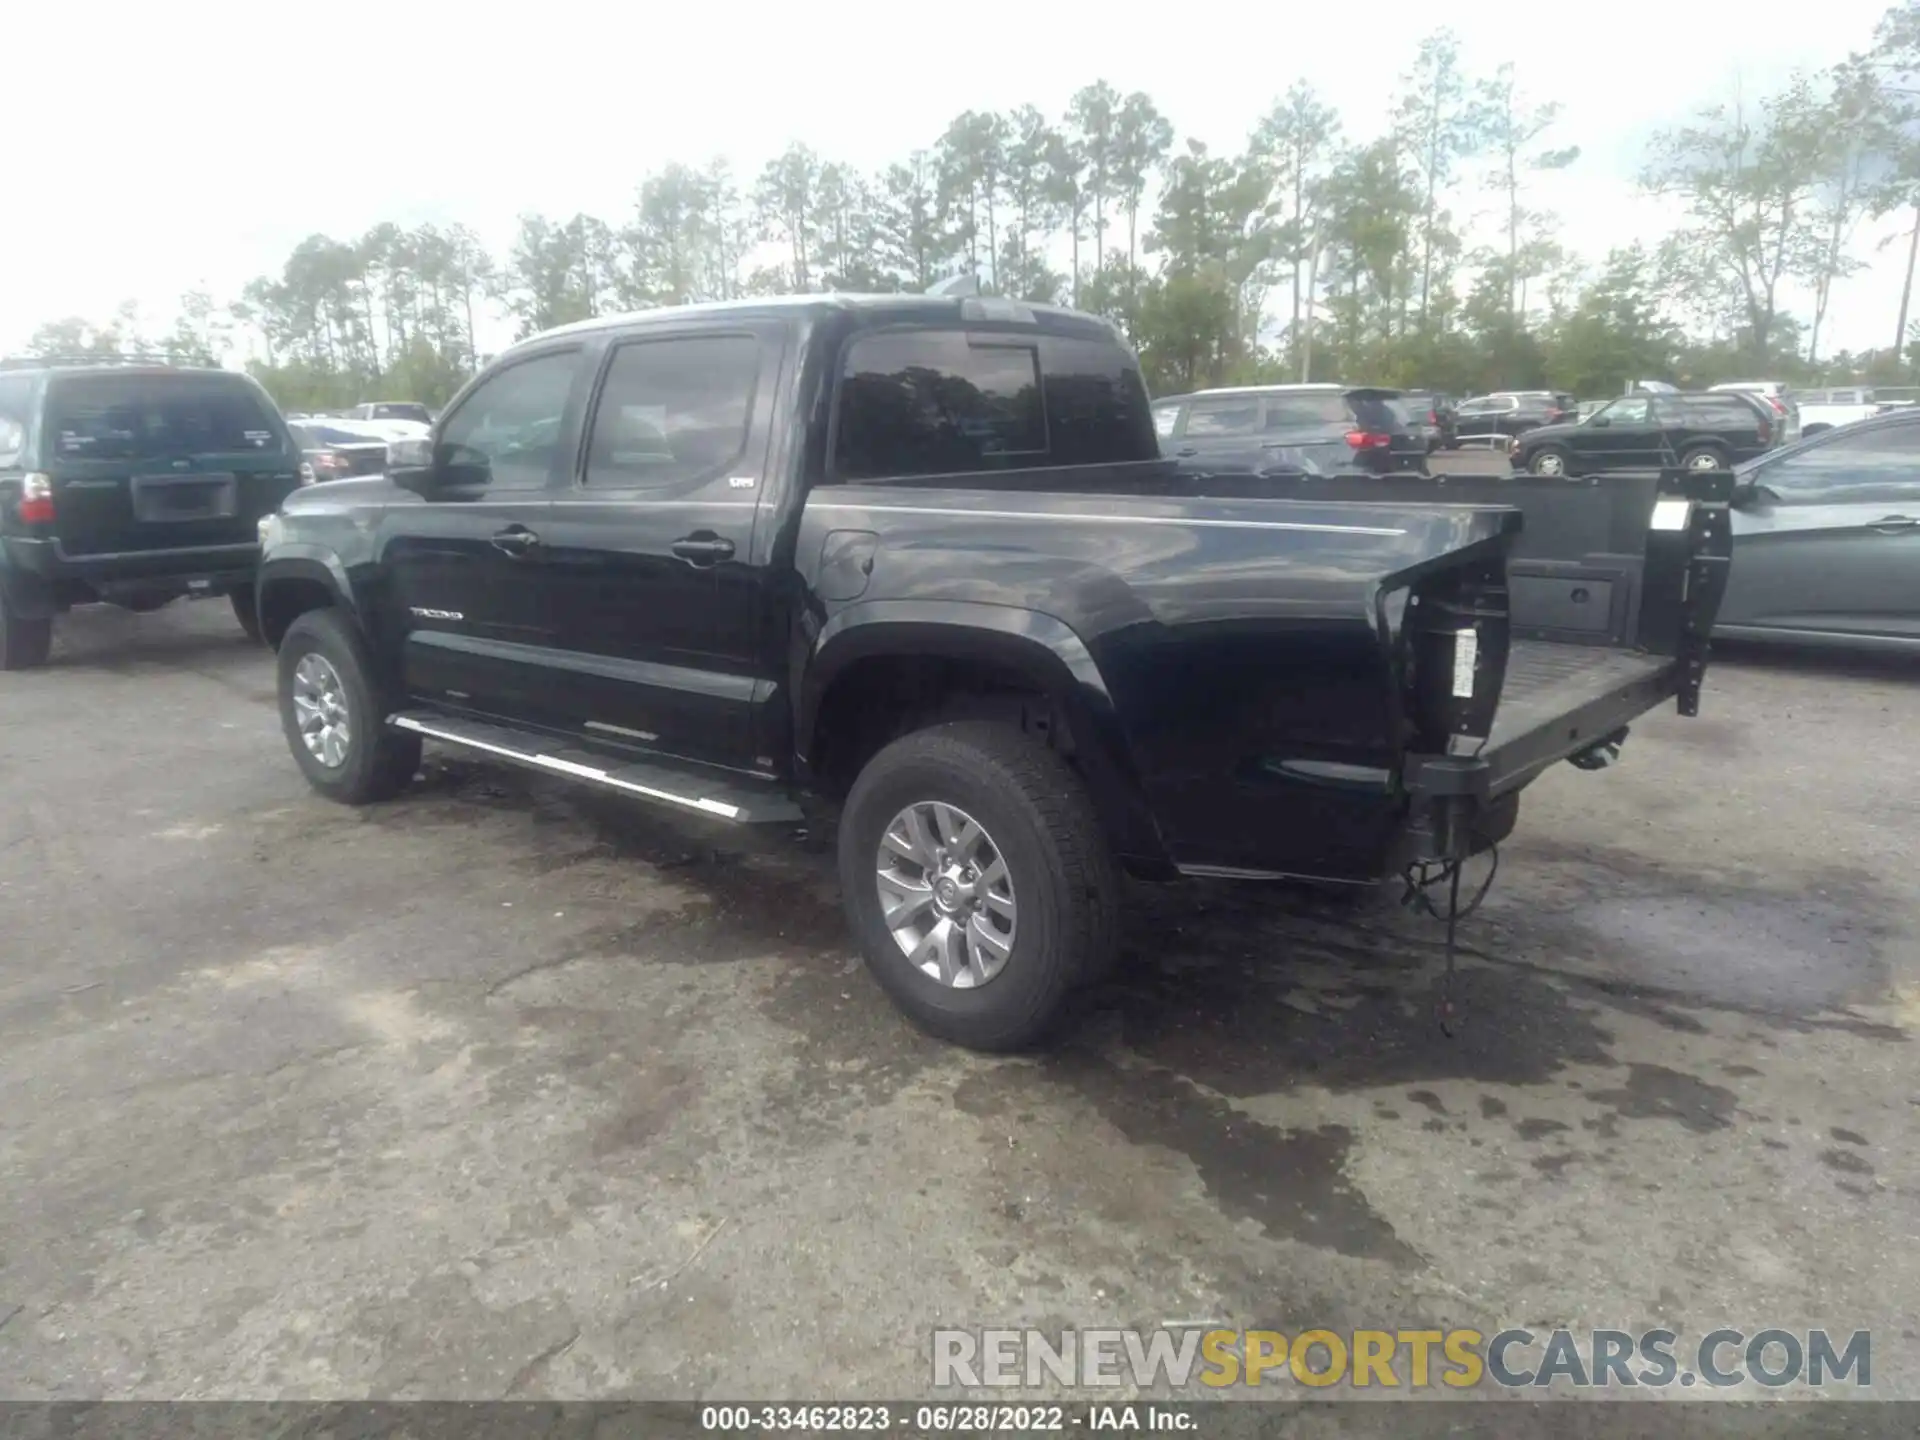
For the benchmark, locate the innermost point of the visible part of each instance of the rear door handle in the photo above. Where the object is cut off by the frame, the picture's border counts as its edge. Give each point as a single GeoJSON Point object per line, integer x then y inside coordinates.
{"type": "Point", "coordinates": [703, 549]}
{"type": "Point", "coordinates": [1894, 524]}
{"type": "Point", "coordinates": [516, 540]}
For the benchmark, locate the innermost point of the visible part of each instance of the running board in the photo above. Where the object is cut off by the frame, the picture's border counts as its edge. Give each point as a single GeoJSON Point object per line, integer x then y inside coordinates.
{"type": "Point", "coordinates": [724, 799]}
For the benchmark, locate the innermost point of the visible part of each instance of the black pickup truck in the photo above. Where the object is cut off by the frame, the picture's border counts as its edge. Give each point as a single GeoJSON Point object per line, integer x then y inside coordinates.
{"type": "Point", "coordinates": [920, 559]}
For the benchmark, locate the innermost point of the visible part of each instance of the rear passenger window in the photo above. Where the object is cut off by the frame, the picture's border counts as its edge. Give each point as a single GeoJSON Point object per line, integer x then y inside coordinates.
{"type": "Point", "coordinates": [1239, 415]}
{"type": "Point", "coordinates": [1284, 412]}
{"type": "Point", "coordinates": [673, 411]}
{"type": "Point", "coordinates": [935, 403]}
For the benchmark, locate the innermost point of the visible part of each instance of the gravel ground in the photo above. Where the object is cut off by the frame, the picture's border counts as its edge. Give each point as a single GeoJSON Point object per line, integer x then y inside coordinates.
{"type": "Point", "coordinates": [501, 1090]}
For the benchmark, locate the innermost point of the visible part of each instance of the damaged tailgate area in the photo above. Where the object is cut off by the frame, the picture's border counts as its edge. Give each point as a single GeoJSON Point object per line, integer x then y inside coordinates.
{"type": "Point", "coordinates": [1603, 614]}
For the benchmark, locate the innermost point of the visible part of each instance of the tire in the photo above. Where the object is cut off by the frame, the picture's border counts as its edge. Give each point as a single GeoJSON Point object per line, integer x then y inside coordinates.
{"type": "Point", "coordinates": [24, 643]}
{"type": "Point", "coordinates": [1037, 818]}
{"type": "Point", "coordinates": [1551, 461]}
{"type": "Point", "coordinates": [374, 763]}
{"type": "Point", "coordinates": [245, 612]}
{"type": "Point", "coordinates": [1704, 457]}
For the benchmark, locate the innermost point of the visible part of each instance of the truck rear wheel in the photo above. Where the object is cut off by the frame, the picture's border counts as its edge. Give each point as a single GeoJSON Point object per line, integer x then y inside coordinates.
{"type": "Point", "coordinates": [331, 712]}
{"type": "Point", "coordinates": [978, 881]}
{"type": "Point", "coordinates": [24, 644]}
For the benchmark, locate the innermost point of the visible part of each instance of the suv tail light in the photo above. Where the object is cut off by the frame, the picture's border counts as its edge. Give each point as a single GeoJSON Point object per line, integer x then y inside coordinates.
{"type": "Point", "coordinates": [36, 499]}
{"type": "Point", "coordinates": [1433, 417]}
{"type": "Point", "coordinates": [307, 475]}
{"type": "Point", "coordinates": [1368, 440]}
{"type": "Point", "coordinates": [1766, 431]}
{"type": "Point", "coordinates": [1778, 408]}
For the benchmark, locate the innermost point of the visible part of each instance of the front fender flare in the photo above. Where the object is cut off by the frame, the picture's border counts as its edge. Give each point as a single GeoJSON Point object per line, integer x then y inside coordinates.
{"type": "Point", "coordinates": [314, 563]}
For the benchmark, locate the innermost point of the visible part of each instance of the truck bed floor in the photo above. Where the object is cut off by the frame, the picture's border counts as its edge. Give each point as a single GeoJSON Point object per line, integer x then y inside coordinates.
{"type": "Point", "coordinates": [1549, 683]}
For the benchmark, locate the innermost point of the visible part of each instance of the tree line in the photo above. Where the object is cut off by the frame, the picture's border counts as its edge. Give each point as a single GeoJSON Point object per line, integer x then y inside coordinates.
{"type": "Point", "coordinates": [1417, 256]}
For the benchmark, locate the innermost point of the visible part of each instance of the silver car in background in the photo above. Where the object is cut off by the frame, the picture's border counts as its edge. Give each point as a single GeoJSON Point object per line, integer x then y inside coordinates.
{"type": "Point", "coordinates": [1826, 540]}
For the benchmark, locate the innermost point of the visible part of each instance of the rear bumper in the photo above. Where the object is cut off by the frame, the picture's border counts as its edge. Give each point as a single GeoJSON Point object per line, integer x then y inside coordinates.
{"type": "Point", "coordinates": [46, 560]}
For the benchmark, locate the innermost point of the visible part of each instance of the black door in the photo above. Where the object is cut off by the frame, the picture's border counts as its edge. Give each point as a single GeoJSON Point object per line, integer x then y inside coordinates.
{"type": "Point", "coordinates": [647, 551]}
{"type": "Point", "coordinates": [468, 571]}
{"type": "Point", "coordinates": [1623, 436]}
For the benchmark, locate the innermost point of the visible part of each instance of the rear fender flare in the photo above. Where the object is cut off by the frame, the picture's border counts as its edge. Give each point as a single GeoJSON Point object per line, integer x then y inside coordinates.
{"type": "Point", "coordinates": [1035, 644]}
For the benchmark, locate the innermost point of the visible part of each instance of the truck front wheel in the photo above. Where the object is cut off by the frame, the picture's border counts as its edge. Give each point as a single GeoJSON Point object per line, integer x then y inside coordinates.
{"type": "Point", "coordinates": [330, 709]}
{"type": "Point", "coordinates": [977, 878]}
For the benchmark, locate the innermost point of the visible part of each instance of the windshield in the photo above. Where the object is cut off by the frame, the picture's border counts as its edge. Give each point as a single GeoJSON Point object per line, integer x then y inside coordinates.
{"type": "Point", "coordinates": [148, 417]}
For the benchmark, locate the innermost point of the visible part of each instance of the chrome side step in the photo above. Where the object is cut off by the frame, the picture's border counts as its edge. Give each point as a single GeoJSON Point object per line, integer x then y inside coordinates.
{"type": "Point", "coordinates": [692, 788]}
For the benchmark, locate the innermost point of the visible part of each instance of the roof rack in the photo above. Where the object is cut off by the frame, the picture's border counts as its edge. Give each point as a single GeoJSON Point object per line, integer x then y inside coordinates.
{"type": "Point", "coordinates": [45, 362]}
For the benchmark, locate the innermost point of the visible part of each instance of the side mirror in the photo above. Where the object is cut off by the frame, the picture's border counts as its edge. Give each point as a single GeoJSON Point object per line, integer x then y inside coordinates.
{"type": "Point", "coordinates": [410, 465]}
{"type": "Point", "coordinates": [1599, 420]}
{"type": "Point", "coordinates": [1750, 494]}
{"type": "Point", "coordinates": [443, 472]}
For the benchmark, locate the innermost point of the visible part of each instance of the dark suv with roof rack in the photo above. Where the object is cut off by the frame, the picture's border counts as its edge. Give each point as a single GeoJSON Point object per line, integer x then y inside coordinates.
{"type": "Point", "coordinates": [131, 482]}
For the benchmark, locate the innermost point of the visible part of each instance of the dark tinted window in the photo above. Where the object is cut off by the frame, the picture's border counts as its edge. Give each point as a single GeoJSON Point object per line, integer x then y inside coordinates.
{"type": "Point", "coordinates": [513, 418]}
{"type": "Point", "coordinates": [1286, 410]}
{"type": "Point", "coordinates": [402, 412]}
{"type": "Point", "coordinates": [1880, 465]}
{"type": "Point", "coordinates": [1378, 412]}
{"type": "Point", "coordinates": [148, 417]}
{"type": "Point", "coordinates": [1710, 411]}
{"type": "Point", "coordinates": [933, 403]}
{"type": "Point", "coordinates": [1634, 410]}
{"type": "Point", "coordinates": [1097, 411]}
{"type": "Point", "coordinates": [673, 412]}
{"type": "Point", "coordinates": [1223, 415]}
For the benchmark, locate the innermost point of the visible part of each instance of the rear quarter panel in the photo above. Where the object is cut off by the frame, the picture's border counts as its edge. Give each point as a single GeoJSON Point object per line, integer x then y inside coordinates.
{"type": "Point", "coordinates": [1238, 645]}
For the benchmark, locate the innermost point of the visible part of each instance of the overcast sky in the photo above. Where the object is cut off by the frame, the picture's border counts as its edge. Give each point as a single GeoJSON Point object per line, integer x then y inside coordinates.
{"type": "Point", "coordinates": [196, 143]}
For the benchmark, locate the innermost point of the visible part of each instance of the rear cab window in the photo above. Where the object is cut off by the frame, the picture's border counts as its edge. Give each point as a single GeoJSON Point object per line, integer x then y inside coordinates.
{"type": "Point", "coordinates": [936, 402]}
{"type": "Point", "coordinates": [158, 417]}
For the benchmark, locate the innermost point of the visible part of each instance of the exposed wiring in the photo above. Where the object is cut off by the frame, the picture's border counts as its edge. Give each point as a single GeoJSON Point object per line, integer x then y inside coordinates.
{"type": "Point", "coordinates": [1421, 877]}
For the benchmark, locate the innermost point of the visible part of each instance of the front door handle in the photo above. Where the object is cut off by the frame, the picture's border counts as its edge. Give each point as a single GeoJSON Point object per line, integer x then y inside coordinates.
{"type": "Point", "coordinates": [1894, 524]}
{"type": "Point", "coordinates": [703, 548]}
{"type": "Point", "coordinates": [516, 540]}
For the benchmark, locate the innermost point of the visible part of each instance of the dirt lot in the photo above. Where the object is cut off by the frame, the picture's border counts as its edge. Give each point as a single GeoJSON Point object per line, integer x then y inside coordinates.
{"type": "Point", "coordinates": [499, 1090]}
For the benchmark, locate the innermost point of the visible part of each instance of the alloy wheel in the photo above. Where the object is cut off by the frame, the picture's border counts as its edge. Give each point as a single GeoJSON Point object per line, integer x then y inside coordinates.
{"type": "Point", "coordinates": [946, 894]}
